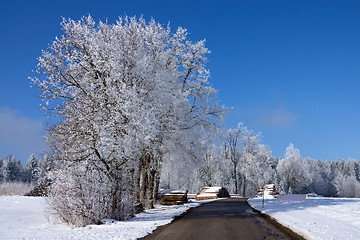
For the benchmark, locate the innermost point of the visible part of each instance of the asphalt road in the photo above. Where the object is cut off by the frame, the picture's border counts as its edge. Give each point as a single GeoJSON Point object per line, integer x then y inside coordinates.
{"type": "Point", "coordinates": [223, 219]}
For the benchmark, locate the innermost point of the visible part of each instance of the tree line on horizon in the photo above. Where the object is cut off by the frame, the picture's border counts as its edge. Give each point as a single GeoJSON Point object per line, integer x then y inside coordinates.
{"type": "Point", "coordinates": [34, 172]}
{"type": "Point", "coordinates": [132, 110]}
{"type": "Point", "coordinates": [243, 165]}
{"type": "Point", "coordinates": [220, 164]}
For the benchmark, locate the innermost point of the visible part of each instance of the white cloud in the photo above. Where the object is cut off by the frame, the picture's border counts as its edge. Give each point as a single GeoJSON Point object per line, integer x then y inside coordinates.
{"type": "Point", "coordinates": [276, 118]}
{"type": "Point", "coordinates": [19, 135]}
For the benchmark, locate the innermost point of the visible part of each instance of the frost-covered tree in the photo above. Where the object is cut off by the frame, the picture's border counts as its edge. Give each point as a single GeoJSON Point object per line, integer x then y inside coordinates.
{"type": "Point", "coordinates": [232, 152]}
{"type": "Point", "coordinates": [125, 96]}
{"type": "Point", "coordinates": [31, 170]}
{"type": "Point", "coordinates": [46, 165]}
{"type": "Point", "coordinates": [183, 167]}
{"type": "Point", "coordinates": [321, 177]}
{"type": "Point", "coordinates": [212, 167]}
{"type": "Point", "coordinates": [252, 162]}
{"type": "Point", "coordinates": [215, 170]}
{"type": "Point", "coordinates": [345, 177]}
{"type": "Point", "coordinates": [347, 186]}
{"type": "Point", "coordinates": [1, 166]}
{"type": "Point", "coordinates": [249, 154]}
{"type": "Point", "coordinates": [258, 170]}
{"type": "Point", "coordinates": [293, 171]}
{"type": "Point", "coordinates": [11, 169]}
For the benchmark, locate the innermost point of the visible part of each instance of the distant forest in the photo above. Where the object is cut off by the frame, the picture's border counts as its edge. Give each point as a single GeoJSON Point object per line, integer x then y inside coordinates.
{"type": "Point", "coordinates": [243, 174]}
{"type": "Point", "coordinates": [35, 171]}
{"type": "Point", "coordinates": [243, 165]}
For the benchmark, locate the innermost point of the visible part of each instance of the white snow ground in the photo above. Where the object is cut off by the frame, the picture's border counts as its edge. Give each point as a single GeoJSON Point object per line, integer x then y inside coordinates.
{"type": "Point", "coordinates": [26, 218]}
{"type": "Point", "coordinates": [316, 218]}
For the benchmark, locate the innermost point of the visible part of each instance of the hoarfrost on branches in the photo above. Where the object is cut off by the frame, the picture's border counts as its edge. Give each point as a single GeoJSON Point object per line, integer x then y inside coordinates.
{"type": "Point", "coordinates": [132, 106]}
{"type": "Point", "coordinates": [293, 171]}
{"type": "Point", "coordinates": [126, 96]}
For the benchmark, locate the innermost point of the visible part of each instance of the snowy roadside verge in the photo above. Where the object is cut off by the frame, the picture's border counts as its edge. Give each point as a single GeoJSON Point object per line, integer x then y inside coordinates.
{"type": "Point", "coordinates": [316, 218]}
{"type": "Point", "coordinates": [26, 218]}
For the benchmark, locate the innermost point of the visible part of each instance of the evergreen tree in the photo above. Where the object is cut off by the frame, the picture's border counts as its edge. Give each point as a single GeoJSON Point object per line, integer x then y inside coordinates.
{"type": "Point", "coordinates": [31, 169]}
{"type": "Point", "coordinates": [11, 169]}
{"type": "Point", "coordinates": [1, 166]}
{"type": "Point", "coordinates": [46, 164]}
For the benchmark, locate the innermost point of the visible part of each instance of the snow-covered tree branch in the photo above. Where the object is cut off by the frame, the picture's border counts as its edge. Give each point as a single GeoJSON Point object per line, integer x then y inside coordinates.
{"type": "Point", "coordinates": [127, 96]}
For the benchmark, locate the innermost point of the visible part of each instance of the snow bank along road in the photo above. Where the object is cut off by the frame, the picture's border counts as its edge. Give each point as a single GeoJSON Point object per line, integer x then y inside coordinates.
{"type": "Point", "coordinates": [316, 218]}
{"type": "Point", "coordinates": [223, 219]}
{"type": "Point", "coordinates": [26, 218]}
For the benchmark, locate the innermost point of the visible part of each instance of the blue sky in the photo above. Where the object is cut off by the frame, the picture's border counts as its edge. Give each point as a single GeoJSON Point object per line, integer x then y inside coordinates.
{"type": "Point", "coordinates": [289, 69]}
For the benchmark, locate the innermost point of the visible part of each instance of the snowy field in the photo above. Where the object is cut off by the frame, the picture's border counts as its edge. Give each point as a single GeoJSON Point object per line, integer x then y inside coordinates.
{"type": "Point", "coordinates": [26, 218]}
{"type": "Point", "coordinates": [316, 218]}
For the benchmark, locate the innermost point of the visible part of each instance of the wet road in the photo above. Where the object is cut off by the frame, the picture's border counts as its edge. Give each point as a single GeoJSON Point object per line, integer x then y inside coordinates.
{"type": "Point", "coordinates": [223, 219]}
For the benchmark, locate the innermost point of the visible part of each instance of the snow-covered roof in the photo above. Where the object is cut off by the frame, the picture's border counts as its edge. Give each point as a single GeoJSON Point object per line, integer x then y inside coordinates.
{"type": "Point", "coordinates": [207, 195]}
{"type": "Point", "coordinates": [211, 189]}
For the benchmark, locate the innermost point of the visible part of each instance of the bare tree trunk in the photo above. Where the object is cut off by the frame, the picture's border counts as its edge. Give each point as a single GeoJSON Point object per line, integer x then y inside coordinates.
{"type": "Point", "coordinates": [157, 184]}
{"type": "Point", "coordinates": [235, 179]}
{"type": "Point", "coordinates": [148, 179]}
{"type": "Point", "coordinates": [156, 175]}
{"type": "Point", "coordinates": [137, 176]}
{"type": "Point", "coordinates": [151, 187]}
{"type": "Point", "coordinates": [115, 194]}
{"type": "Point", "coordinates": [144, 178]}
{"type": "Point", "coordinates": [154, 179]}
{"type": "Point", "coordinates": [244, 186]}
{"type": "Point", "coordinates": [169, 184]}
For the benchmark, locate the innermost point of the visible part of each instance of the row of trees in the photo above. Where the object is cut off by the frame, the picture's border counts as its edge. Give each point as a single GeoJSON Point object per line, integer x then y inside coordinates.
{"type": "Point", "coordinates": [34, 172]}
{"type": "Point", "coordinates": [124, 98]}
{"type": "Point", "coordinates": [243, 165]}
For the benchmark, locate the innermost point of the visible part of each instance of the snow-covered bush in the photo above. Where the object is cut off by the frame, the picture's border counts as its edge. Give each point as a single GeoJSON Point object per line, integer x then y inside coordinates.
{"type": "Point", "coordinates": [81, 195]}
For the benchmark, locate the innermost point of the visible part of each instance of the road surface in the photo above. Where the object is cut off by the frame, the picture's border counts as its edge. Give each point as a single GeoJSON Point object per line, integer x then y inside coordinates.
{"type": "Point", "coordinates": [223, 219]}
